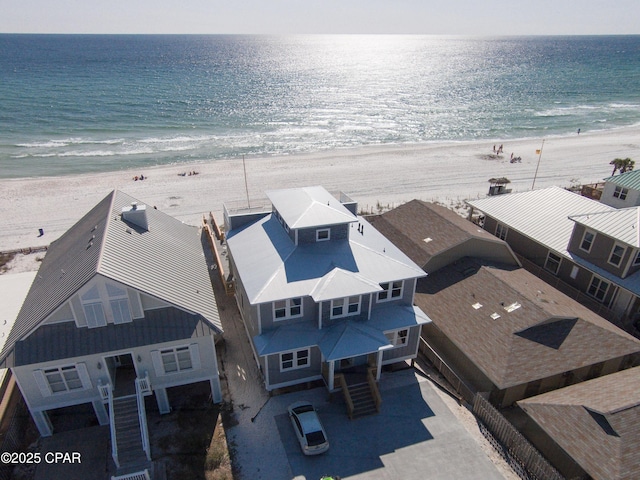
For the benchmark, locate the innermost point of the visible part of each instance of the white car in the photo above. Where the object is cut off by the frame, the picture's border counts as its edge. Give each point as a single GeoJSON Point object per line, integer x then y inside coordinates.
{"type": "Point", "coordinates": [308, 428]}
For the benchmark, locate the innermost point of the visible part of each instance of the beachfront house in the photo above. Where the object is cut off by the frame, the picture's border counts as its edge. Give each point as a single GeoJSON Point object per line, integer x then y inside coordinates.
{"type": "Point", "coordinates": [588, 249]}
{"type": "Point", "coordinates": [323, 295]}
{"type": "Point", "coordinates": [501, 329]}
{"type": "Point", "coordinates": [591, 429]}
{"type": "Point", "coordinates": [122, 307]}
{"type": "Point", "coordinates": [622, 190]}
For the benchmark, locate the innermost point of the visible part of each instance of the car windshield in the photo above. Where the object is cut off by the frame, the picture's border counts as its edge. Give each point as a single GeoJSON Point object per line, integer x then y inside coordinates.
{"type": "Point", "coordinates": [303, 409]}
{"type": "Point", "coordinates": [315, 438]}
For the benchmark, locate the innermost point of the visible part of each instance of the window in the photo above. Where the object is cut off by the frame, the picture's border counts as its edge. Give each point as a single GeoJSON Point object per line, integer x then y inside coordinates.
{"type": "Point", "coordinates": [616, 255]}
{"type": "Point", "coordinates": [342, 307]}
{"type": "Point", "coordinates": [390, 291]}
{"type": "Point", "coordinates": [290, 308]}
{"type": "Point", "coordinates": [294, 360]}
{"type": "Point", "coordinates": [636, 260]}
{"type": "Point", "coordinates": [398, 338]}
{"type": "Point", "coordinates": [62, 379]}
{"type": "Point", "coordinates": [574, 272]}
{"type": "Point", "coordinates": [323, 234]}
{"type": "Point", "coordinates": [94, 312]}
{"type": "Point", "coordinates": [598, 288]}
{"type": "Point", "coordinates": [176, 359]}
{"type": "Point", "coordinates": [553, 263]}
{"type": "Point", "coordinates": [501, 231]}
{"type": "Point", "coordinates": [587, 241]}
{"type": "Point", "coordinates": [620, 192]}
{"type": "Point", "coordinates": [120, 309]}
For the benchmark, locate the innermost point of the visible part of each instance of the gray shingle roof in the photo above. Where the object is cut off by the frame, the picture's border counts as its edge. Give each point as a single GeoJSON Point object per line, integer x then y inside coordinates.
{"type": "Point", "coordinates": [596, 422]}
{"type": "Point", "coordinates": [167, 262]}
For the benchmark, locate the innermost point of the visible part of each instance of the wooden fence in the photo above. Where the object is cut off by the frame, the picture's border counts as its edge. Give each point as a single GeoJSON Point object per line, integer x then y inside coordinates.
{"type": "Point", "coordinates": [208, 231]}
{"type": "Point", "coordinates": [523, 457]}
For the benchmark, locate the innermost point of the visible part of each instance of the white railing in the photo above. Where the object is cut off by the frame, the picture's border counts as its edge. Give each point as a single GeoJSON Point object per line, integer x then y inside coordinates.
{"type": "Point", "coordinates": [143, 475]}
{"type": "Point", "coordinates": [143, 384]}
{"type": "Point", "coordinates": [105, 391]}
{"type": "Point", "coordinates": [142, 413]}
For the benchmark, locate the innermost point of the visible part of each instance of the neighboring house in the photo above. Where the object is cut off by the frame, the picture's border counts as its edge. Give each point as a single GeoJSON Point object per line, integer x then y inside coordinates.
{"type": "Point", "coordinates": [622, 190]}
{"type": "Point", "coordinates": [122, 300]}
{"type": "Point", "coordinates": [597, 423]}
{"type": "Point", "coordinates": [501, 328]}
{"type": "Point", "coordinates": [321, 292]}
{"type": "Point", "coordinates": [434, 236]}
{"type": "Point", "coordinates": [587, 245]}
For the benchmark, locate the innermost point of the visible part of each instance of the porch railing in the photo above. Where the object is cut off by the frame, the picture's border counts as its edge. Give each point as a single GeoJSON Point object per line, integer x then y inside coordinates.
{"type": "Point", "coordinates": [141, 385]}
{"type": "Point", "coordinates": [340, 380]}
{"type": "Point", "coordinates": [373, 386]}
{"type": "Point", "coordinates": [142, 475]}
{"type": "Point", "coordinates": [104, 391]}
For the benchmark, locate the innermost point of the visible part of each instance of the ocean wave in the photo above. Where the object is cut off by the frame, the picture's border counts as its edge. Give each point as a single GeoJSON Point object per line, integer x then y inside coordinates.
{"type": "Point", "coordinates": [68, 142]}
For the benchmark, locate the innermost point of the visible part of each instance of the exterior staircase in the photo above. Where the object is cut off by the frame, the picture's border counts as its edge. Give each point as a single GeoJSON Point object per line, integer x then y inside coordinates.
{"type": "Point", "coordinates": [363, 401]}
{"type": "Point", "coordinates": [127, 432]}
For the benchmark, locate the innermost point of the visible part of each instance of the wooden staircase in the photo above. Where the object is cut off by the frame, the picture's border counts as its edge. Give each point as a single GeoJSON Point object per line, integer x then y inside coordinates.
{"type": "Point", "coordinates": [127, 432]}
{"type": "Point", "coordinates": [363, 401]}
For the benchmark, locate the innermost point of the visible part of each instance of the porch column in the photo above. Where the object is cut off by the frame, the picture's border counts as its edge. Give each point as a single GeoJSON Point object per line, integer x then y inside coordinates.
{"type": "Point", "coordinates": [331, 375]}
{"type": "Point", "coordinates": [43, 423]}
{"type": "Point", "coordinates": [163, 400]}
{"type": "Point", "coordinates": [101, 412]}
{"type": "Point", "coordinates": [379, 364]}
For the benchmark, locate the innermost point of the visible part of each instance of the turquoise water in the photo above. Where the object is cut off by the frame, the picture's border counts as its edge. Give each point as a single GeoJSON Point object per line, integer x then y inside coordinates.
{"type": "Point", "coordinates": [90, 103]}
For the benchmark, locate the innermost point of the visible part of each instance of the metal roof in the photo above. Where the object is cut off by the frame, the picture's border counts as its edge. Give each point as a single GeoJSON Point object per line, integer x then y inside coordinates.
{"type": "Point", "coordinates": [166, 261]}
{"type": "Point", "coordinates": [308, 207]}
{"type": "Point", "coordinates": [272, 267]}
{"type": "Point", "coordinates": [628, 179]}
{"type": "Point", "coordinates": [542, 215]}
{"type": "Point", "coordinates": [622, 224]}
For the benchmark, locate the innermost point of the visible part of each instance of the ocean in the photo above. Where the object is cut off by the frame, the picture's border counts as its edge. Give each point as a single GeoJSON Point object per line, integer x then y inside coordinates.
{"type": "Point", "coordinates": [92, 103]}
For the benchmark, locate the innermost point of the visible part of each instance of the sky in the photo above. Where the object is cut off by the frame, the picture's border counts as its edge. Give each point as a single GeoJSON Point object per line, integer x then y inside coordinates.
{"type": "Point", "coordinates": [454, 17]}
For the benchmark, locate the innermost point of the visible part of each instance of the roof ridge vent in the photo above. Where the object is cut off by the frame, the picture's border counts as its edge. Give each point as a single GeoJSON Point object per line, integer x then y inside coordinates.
{"type": "Point", "coordinates": [136, 215]}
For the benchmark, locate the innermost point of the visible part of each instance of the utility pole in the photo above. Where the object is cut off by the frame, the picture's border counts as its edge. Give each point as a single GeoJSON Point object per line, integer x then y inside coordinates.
{"type": "Point", "coordinates": [539, 152]}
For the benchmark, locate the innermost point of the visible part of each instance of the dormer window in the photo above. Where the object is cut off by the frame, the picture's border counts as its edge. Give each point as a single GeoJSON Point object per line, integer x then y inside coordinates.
{"type": "Point", "coordinates": [587, 241]}
{"type": "Point", "coordinates": [616, 255]}
{"type": "Point", "coordinates": [323, 234]}
{"type": "Point", "coordinates": [620, 192]}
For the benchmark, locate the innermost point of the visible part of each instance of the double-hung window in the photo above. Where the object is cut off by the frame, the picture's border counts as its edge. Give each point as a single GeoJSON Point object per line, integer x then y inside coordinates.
{"type": "Point", "coordinates": [598, 288]}
{"type": "Point", "coordinates": [289, 308]}
{"type": "Point", "coordinates": [553, 263]}
{"type": "Point", "coordinates": [616, 255]}
{"type": "Point", "coordinates": [63, 379]}
{"type": "Point", "coordinates": [620, 192]}
{"type": "Point", "coordinates": [342, 307]}
{"type": "Point", "coordinates": [398, 338]}
{"type": "Point", "coordinates": [501, 231]}
{"type": "Point", "coordinates": [294, 360]}
{"type": "Point", "coordinates": [390, 291]}
{"type": "Point", "coordinates": [176, 359]}
{"type": "Point", "coordinates": [587, 241]}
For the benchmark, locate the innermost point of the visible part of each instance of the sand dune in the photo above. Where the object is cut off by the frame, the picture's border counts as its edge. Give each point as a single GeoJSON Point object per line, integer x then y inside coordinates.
{"type": "Point", "coordinates": [386, 175]}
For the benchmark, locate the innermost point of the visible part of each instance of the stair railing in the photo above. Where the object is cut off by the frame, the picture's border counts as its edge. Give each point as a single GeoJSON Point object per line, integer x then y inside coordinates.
{"type": "Point", "coordinates": [339, 378]}
{"type": "Point", "coordinates": [106, 394]}
{"type": "Point", "coordinates": [142, 384]}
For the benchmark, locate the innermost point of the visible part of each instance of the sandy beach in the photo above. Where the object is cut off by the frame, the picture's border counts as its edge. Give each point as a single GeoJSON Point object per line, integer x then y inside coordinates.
{"type": "Point", "coordinates": [386, 175]}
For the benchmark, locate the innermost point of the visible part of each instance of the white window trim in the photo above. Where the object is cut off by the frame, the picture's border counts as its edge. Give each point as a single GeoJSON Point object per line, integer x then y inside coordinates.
{"type": "Point", "coordinates": [624, 251]}
{"type": "Point", "coordinates": [396, 340]}
{"type": "Point", "coordinates": [345, 307]}
{"type": "Point", "coordinates": [323, 230]}
{"type": "Point", "coordinates": [600, 281]}
{"type": "Point", "coordinates": [116, 309]}
{"type": "Point", "coordinates": [636, 260]}
{"type": "Point", "coordinates": [44, 385]}
{"type": "Point", "coordinates": [592, 241]}
{"type": "Point", "coordinates": [90, 309]}
{"type": "Point", "coordinates": [288, 306]}
{"type": "Point", "coordinates": [295, 361]}
{"type": "Point", "coordinates": [158, 363]}
{"type": "Point", "coordinates": [558, 264]}
{"type": "Point", "coordinates": [620, 192]}
{"type": "Point", "coordinates": [501, 231]}
{"type": "Point", "coordinates": [389, 291]}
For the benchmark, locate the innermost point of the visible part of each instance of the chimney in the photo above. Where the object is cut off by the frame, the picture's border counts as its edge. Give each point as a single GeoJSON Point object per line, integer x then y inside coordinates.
{"type": "Point", "coordinates": [136, 215]}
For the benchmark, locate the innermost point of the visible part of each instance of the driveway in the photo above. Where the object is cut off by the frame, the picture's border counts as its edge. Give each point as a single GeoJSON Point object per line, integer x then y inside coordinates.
{"type": "Point", "coordinates": [415, 436]}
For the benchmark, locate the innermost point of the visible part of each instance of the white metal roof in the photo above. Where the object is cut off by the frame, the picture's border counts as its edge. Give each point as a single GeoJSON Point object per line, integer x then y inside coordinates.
{"type": "Point", "coordinates": [620, 224]}
{"type": "Point", "coordinates": [309, 206]}
{"type": "Point", "coordinates": [542, 215]}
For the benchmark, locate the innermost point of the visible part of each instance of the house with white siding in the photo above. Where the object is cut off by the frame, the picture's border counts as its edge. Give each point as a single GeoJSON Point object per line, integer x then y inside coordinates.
{"type": "Point", "coordinates": [322, 293]}
{"type": "Point", "coordinates": [122, 307]}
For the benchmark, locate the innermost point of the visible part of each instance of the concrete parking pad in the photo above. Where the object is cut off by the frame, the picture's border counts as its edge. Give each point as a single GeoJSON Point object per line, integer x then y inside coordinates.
{"type": "Point", "coordinates": [415, 436]}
